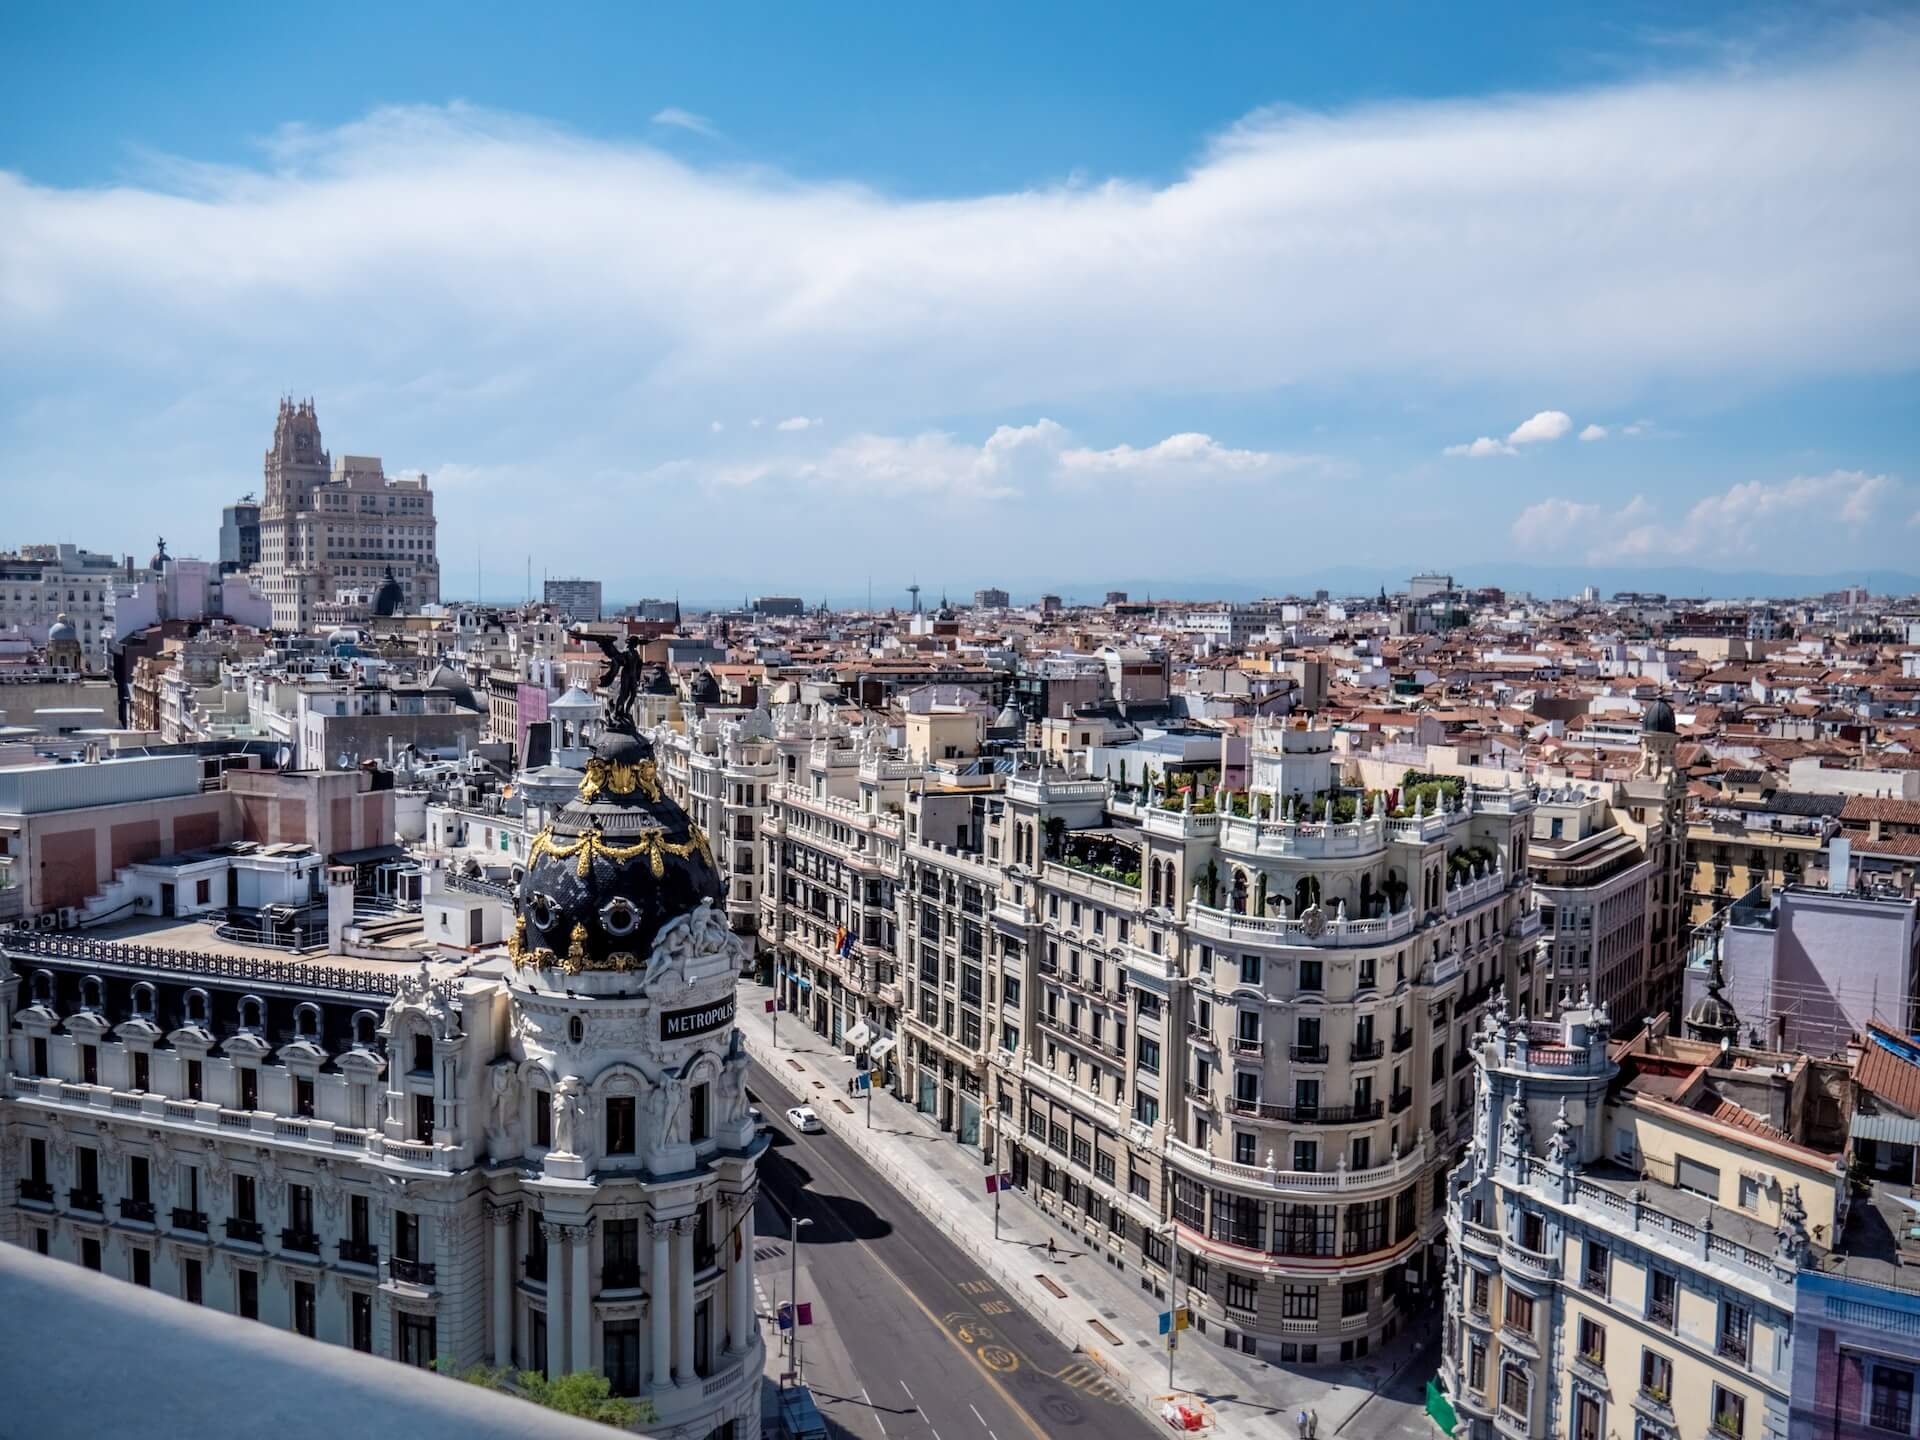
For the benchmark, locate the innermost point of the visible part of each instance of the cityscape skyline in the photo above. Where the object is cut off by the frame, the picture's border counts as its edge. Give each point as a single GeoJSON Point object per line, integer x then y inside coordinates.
{"type": "Point", "coordinates": [1545, 351]}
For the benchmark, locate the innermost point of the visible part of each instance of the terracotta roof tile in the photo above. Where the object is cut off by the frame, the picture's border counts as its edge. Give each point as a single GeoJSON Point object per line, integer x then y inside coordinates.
{"type": "Point", "coordinates": [1887, 1075]}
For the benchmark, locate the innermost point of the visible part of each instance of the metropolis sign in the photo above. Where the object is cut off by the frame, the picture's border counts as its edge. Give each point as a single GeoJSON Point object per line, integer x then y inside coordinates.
{"type": "Point", "coordinates": [683, 1024]}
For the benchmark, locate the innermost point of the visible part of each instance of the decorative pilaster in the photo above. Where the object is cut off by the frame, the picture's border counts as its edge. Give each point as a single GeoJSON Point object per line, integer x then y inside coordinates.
{"type": "Point", "coordinates": [580, 1297]}
{"type": "Point", "coordinates": [683, 1301]}
{"type": "Point", "coordinates": [500, 1282]}
{"type": "Point", "coordinates": [660, 1312]}
{"type": "Point", "coordinates": [556, 1238]}
{"type": "Point", "coordinates": [740, 1329]}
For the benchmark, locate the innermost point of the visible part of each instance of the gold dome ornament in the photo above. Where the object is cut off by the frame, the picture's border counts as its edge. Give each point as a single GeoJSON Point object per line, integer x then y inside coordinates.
{"type": "Point", "coordinates": [577, 951]}
{"type": "Point", "coordinates": [615, 778]}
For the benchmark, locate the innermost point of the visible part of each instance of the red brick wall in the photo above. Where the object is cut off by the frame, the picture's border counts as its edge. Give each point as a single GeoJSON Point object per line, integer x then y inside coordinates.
{"type": "Point", "coordinates": [133, 841]}
{"type": "Point", "coordinates": [290, 824]}
{"type": "Point", "coordinates": [340, 821]}
{"type": "Point", "coordinates": [256, 819]}
{"type": "Point", "coordinates": [376, 818]}
{"type": "Point", "coordinates": [196, 832]}
{"type": "Point", "coordinates": [67, 868]}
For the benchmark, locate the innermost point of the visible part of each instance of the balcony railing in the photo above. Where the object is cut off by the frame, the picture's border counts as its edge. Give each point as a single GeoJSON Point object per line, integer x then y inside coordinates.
{"type": "Point", "coordinates": [250, 1232]}
{"type": "Point", "coordinates": [304, 1241]}
{"type": "Point", "coordinates": [38, 1191]}
{"type": "Point", "coordinates": [1245, 1045]}
{"type": "Point", "coordinates": [1308, 1114]}
{"type": "Point", "coordinates": [413, 1272]}
{"type": "Point", "coordinates": [1307, 1054]}
{"type": "Point", "coordinates": [185, 1219]}
{"type": "Point", "coordinates": [1732, 1347]}
{"type": "Point", "coordinates": [86, 1200]}
{"type": "Point", "coordinates": [141, 1210]}
{"type": "Point", "coordinates": [1660, 1312]}
{"type": "Point", "coordinates": [359, 1252]}
{"type": "Point", "coordinates": [620, 1275]}
{"type": "Point", "coordinates": [1402, 1041]}
{"type": "Point", "coordinates": [1400, 1101]}
{"type": "Point", "coordinates": [1367, 1049]}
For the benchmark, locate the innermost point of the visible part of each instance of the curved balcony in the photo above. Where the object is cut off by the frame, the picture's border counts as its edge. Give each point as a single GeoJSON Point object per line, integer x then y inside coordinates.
{"type": "Point", "coordinates": [1237, 929]}
{"type": "Point", "coordinates": [1301, 839]}
{"type": "Point", "coordinates": [1307, 1114]}
{"type": "Point", "coordinates": [1300, 1183]}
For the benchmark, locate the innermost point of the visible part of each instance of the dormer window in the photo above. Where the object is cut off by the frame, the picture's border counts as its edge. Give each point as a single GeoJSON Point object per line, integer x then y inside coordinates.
{"type": "Point", "coordinates": [198, 1007]}
{"type": "Point", "coordinates": [306, 1022]}
{"type": "Point", "coordinates": [43, 988]}
{"type": "Point", "coordinates": [92, 994]}
{"type": "Point", "coordinates": [365, 1027]}
{"type": "Point", "coordinates": [253, 1014]}
{"type": "Point", "coordinates": [144, 1001]}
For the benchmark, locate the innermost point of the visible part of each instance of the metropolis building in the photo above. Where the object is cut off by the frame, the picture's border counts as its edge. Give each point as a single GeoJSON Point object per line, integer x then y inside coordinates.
{"type": "Point", "coordinates": [542, 1159]}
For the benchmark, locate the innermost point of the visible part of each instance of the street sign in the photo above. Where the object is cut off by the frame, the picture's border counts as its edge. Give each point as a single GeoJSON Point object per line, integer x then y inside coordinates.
{"type": "Point", "coordinates": [786, 1315]}
{"type": "Point", "coordinates": [863, 1081]}
{"type": "Point", "coordinates": [769, 1007]}
{"type": "Point", "coordinates": [993, 1183]}
{"type": "Point", "coordinates": [806, 1312]}
{"type": "Point", "coordinates": [1166, 1321]}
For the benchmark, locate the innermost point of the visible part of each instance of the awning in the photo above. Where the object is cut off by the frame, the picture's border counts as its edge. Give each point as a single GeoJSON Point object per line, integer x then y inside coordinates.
{"type": "Point", "coordinates": [881, 1048]}
{"type": "Point", "coordinates": [859, 1035]}
{"type": "Point", "coordinates": [370, 853]}
{"type": "Point", "coordinates": [1895, 1129]}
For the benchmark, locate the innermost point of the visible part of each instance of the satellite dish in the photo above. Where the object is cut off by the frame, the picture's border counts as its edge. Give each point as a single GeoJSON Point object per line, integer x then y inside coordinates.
{"type": "Point", "coordinates": [346, 761]}
{"type": "Point", "coordinates": [282, 758]}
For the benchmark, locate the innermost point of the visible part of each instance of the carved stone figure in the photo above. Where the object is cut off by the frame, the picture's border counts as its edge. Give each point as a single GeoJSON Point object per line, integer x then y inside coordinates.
{"type": "Point", "coordinates": [569, 1115]}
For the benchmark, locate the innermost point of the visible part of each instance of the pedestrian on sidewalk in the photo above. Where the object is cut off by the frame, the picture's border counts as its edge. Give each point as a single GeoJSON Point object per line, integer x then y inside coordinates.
{"type": "Point", "coordinates": [1051, 1252]}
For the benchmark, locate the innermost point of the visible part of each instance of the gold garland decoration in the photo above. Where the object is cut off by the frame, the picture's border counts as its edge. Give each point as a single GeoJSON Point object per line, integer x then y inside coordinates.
{"type": "Point", "coordinates": [619, 779]}
{"type": "Point", "coordinates": [593, 845]}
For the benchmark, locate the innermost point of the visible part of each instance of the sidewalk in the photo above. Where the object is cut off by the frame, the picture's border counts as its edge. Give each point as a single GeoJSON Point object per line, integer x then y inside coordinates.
{"type": "Point", "coordinates": [1100, 1308]}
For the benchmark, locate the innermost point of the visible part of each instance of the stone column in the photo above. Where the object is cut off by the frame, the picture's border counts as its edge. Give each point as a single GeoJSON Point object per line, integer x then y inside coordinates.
{"type": "Point", "coordinates": [660, 1309]}
{"type": "Point", "coordinates": [581, 1298]}
{"type": "Point", "coordinates": [683, 1301]}
{"type": "Point", "coordinates": [740, 1288]}
{"type": "Point", "coordinates": [556, 1237]}
{"type": "Point", "coordinates": [501, 1284]}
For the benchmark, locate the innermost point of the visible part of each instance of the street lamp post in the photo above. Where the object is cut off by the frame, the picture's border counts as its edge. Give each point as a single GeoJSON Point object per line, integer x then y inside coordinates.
{"type": "Point", "coordinates": [1173, 1296]}
{"type": "Point", "coordinates": [795, 1226]}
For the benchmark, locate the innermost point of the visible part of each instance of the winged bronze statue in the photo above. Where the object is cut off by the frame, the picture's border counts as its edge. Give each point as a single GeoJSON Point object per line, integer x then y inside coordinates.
{"type": "Point", "coordinates": [620, 678]}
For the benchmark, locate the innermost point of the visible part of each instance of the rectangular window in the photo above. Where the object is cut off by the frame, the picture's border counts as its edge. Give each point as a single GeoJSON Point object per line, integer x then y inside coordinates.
{"type": "Point", "coordinates": [244, 1192]}
{"type": "Point", "coordinates": [1593, 1342]}
{"type": "Point", "coordinates": [249, 1088]}
{"type": "Point", "coordinates": [423, 1119]}
{"type": "Point", "coordinates": [1190, 1203]}
{"type": "Point", "coordinates": [1146, 1109]}
{"type": "Point", "coordinates": [1299, 1302]}
{"type": "Point", "coordinates": [363, 1323]}
{"type": "Point", "coordinates": [193, 1080]}
{"type": "Point", "coordinates": [406, 1235]}
{"type": "Point", "coordinates": [1482, 1293]}
{"type": "Point", "coordinates": [1891, 1405]}
{"type": "Point", "coordinates": [1736, 1326]}
{"type": "Point", "coordinates": [1656, 1376]}
{"type": "Point", "coordinates": [1310, 975]}
{"type": "Point", "coordinates": [1586, 1415]}
{"type": "Point", "coordinates": [90, 1064]}
{"type": "Point", "coordinates": [303, 1097]}
{"type": "Point", "coordinates": [1147, 1051]}
{"type": "Point", "coordinates": [1729, 1414]}
{"type": "Point", "coordinates": [1515, 1391]}
{"type": "Point", "coordinates": [416, 1339]}
{"type": "Point", "coordinates": [247, 1293]}
{"type": "Point", "coordinates": [1519, 1314]}
{"type": "Point", "coordinates": [303, 1307]}
{"type": "Point", "coordinates": [1593, 1275]}
{"type": "Point", "coordinates": [1690, 1174]}
{"type": "Point", "coordinates": [1306, 1155]}
{"type": "Point", "coordinates": [1243, 1293]}
{"type": "Point", "coordinates": [622, 1356]}
{"type": "Point", "coordinates": [1353, 1298]}
{"type": "Point", "coordinates": [190, 1281]}
{"type": "Point", "coordinates": [542, 1120]}
{"type": "Point", "coordinates": [620, 1125]}
{"type": "Point", "coordinates": [1662, 1295]}
{"type": "Point", "coordinates": [143, 1268]}
{"type": "Point", "coordinates": [90, 1252]}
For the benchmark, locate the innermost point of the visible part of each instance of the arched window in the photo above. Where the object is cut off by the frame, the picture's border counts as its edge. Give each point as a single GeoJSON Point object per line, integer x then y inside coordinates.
{"type": "Point", "coordinates": [1239, 902]}
{"type": "Point", "coordinates": [145, 1001]}
{"type": "Point", "coordinates": [43, 988]}
{"type": "Point", "coordinates": [92, 994]}
{"type": "Point", "coordinates": [366, 1027]}
{"type": "Point", "coordinates": [253, 1013]}
{"type": "Point", "coordinates": [1306, 894]}
{"type": "Point", "coordinates": [576, 1030]}
{"type": "Point", "coordinates": [306, 1021]}
{"type": "Point", "coordinates": [198, 1007]}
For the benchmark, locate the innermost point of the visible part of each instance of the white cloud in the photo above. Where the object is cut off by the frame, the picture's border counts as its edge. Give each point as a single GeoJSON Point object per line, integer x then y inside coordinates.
{"type": "Point", "coordinates": [1187, 453]}
{"type": "Point", "coordinates": [1638, 427]}
{"type": "Point", "coordinates": [755, 423]}
{"type": "Point", "coordinates": [1376, 242]}
{"type": "Point", "coordinates": [679, 119]}
{"type": "Point", "coordinates": [1480, 449]}
{"type": "Point", "coordinates": [1796, 517]}
{"type": "Point", "coordinates": [716, 427]}
{"type": "Point", "coordinates": [1594, 432]}
{"type": "Point", "coordinates": [1547, 425]}
{"type": "Point", "coordinates": [798, 422]}
{"type": "Point", "coordinates": [1553, 524]}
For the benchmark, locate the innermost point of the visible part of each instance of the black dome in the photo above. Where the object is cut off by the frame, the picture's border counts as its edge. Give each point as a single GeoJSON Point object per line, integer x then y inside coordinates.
{"type": "Point", "coordinates": [705, 690]}
{"type": "Point", "coordinates": [616, 866]}
{"type": "Point", "coordinates": [1657, 719]}
{"type": "Point", "coordinates": [388, 599]}
{"type": "Point", "coordinates": [654, 681]}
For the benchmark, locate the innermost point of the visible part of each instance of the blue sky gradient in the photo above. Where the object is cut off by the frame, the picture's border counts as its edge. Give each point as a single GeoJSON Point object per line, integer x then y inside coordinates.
{"type": "Point", "coordinates": [1014, 297]}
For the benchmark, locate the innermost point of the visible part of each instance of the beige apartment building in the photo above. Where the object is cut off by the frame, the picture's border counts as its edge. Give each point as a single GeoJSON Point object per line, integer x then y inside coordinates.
{"type": "Point", "coordinates": [327, 525]}
{"type": "Point", "coordinates": [1220, 1046]}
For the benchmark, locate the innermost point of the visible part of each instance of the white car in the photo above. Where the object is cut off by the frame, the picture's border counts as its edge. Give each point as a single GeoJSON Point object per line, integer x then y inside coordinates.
{"type": "Point", "coordinates": [802, 1118]}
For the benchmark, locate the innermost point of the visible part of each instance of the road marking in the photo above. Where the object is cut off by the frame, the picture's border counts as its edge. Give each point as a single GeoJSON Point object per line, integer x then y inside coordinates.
{"type": "Point", "coordinates": [910, 1395]}
{"type": "Point", "coordinates": [991, 1360]}
{"type": "Point", "coordinates": [994, 1307]}
{"type": "Point", "coordinates": [976, 1287]}
{"type": "Point", "coordinates": [870, 1409]}
{"type": "Point", "coordinates": [977, 1415]}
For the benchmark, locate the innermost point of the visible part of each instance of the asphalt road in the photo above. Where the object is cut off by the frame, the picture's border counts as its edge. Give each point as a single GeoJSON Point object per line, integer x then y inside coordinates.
{"type": "Point", "coordinates": [938, 1350]}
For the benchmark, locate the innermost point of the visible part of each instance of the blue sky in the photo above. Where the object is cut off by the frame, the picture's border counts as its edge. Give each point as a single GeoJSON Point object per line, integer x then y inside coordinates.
{"type": "Point", "coordinates": [1014, 297]}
